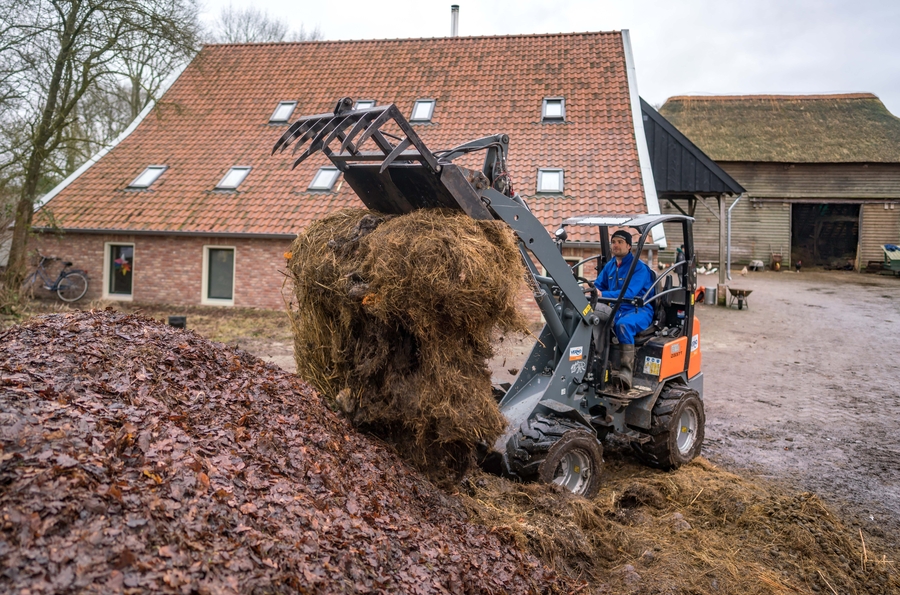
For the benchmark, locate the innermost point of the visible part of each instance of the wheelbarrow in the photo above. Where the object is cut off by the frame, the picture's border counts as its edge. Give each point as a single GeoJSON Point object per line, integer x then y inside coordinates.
{"type": "Point", "coordinates": [739, 297]}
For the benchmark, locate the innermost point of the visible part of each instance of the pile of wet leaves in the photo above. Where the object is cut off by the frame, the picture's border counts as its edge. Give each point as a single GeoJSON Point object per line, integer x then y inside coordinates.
{"type": "Point", "coordinates": [135, 457]}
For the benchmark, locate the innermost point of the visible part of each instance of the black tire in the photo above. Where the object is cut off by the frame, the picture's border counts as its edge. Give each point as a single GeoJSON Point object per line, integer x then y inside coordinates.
{"type": "Point", "coordinates": [676, 430]}
{"type": "Point", "coordinates": [72, 287]}
{"type": "Point", "coordinates": [557, 451]}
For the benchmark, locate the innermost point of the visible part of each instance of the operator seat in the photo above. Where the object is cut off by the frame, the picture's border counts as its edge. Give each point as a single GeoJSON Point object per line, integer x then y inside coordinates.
{"type": "Point", "coordinates": [659, 315]}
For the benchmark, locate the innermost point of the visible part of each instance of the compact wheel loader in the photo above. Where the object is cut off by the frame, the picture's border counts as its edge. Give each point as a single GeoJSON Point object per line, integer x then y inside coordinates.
{"type": "Point", "coordinates": [563, 403]}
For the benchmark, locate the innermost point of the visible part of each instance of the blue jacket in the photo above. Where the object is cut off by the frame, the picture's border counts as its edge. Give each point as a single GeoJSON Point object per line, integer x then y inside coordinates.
{"type": "Point", "coordinates": [612, 278]}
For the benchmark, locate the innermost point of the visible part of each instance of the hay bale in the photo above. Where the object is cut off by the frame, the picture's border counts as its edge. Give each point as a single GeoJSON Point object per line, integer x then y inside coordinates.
{"type": "Point", "coordinates": [394, 321]}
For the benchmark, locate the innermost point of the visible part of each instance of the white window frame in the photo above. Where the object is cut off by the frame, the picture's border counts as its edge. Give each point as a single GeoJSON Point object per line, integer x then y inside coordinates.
{"type": "Point", "coordinates": [412, 115]}
{"type": "Point", "coordinates": [204, 299]}
{"type": "Point", "coordinates": [562, 109]}
{"type": "Point", "coordinates": [107, 271]}
{"type": "Point", "coordinates": [540, 180]}
{"type": "Point", "coordinates": [239, 168]}
{"type": "Point", "coordinates": [358, 104]}
{"type": "Point", "coordinates": [319, 172]}
{"type": "Point", "coordinates": [570, 260]}
{"type": "Point", "coordinates": [281, 105]}
{"type": "Point", "coordinates": [159, 169]}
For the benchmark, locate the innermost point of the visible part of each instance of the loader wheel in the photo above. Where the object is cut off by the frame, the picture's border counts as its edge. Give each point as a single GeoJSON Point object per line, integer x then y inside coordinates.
{"type": "Point", "coordinates": [557, 451]}
{"type": "Point", "coordinates": [676, 430]}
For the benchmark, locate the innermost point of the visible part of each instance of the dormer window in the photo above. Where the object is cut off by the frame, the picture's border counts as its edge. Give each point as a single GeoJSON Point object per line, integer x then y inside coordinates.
{"type": "Point", "coordinates": [364, 104]}
{"type": "Point", "coordinates": [550, 180]}
{"type": "Point", "coordinates": [233, 178]}
{"type": "Point", "coordinates": [324, 179]}
{"type": "Point", "coordinates": [283, 112]}
{"type": "Point", "coordinates": [148, 176]}
{"type": "Point", "coordinates": [422, 110]}
{"type": "Point", "coordinates": [554, 109]}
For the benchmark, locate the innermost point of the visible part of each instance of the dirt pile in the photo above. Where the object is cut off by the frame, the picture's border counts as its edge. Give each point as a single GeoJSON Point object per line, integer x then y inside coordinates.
{"type": "Point", "coordinates": [698, 530]}
{"type": "Point", "coordinates": [394, 321]}
{"type": "Point", "coordinates": [140, 458]}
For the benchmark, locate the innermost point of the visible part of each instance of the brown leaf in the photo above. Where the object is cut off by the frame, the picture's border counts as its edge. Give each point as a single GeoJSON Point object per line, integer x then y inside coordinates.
{"type": "Point", "coordinates": [125, 558]}
{"type": "Point", "coordinates": [65, 461]}
{"type": "Point", "coordinates": [156, 478]}
{"type": "Point", "coordinates": [168, 551]}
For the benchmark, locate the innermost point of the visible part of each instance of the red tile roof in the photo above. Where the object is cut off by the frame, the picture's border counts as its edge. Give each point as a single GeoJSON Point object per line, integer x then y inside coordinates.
{"type": "Point", "coordinates": [215, 116]}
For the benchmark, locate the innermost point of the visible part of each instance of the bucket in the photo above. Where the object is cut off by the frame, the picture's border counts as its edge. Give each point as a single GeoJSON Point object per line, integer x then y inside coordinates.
{"type": "Point", "coordinates": [710, 298]}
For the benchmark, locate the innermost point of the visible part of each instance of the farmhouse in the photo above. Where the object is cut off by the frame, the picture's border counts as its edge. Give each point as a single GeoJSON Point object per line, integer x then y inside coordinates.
{"type": "Point", "coordinates": [822, 175]}
{"type": "Point", "coordinates": [189, 206]}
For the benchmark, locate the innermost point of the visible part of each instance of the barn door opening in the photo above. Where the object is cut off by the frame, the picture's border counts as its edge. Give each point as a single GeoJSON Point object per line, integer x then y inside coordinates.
{"type": "Point", "coordinates": [825, 235]}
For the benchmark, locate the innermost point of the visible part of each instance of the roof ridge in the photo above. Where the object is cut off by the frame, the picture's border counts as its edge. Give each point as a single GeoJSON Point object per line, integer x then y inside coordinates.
{"type": "Point", "coordinates": [800, 97]}
{"type": "Point", "coordinates": [412, 39]}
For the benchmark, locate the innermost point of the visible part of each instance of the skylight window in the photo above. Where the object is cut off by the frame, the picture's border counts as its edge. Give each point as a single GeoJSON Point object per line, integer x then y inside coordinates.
{"type": "Point", "coordinates": [422, 110]}
{"type": "Point", "coordinates": [149, 175]}
{"type": "Point", "coordinates": [233, 178]}
{"type": "Point", "coordinates": [283, 112]}
{"type": "Point", "coordinates": [554, 109]}
{"type": "Point", "coordinates": [324, 179]}
{"type": "Point", "coordinates": [550, 180]}
{"type": "Point", "coordinates": [364, 104]}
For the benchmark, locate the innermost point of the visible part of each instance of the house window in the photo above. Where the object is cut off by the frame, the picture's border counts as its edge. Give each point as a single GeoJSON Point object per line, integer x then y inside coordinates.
{"type": "Point", "coordinates": [422, 110]}
{"type": "Point", "coordinates": [550, 180]}
{"type": "Point", "coordinates": [148, 176]}
{"type": "Point", "coordinates": [118, 271]}
{"type": "Point", "coordinates": [364, 104]}
{"type": "Point", "coordinates": [554, 109]}
{"type": "Point", "coordinates": [324, 178]}
{"type": "Point", "coordinates": [233, 178]}
{"type": "Point", "coordinates": [572, 261]}
{"type": "Point", "coordinates": [283, 112]}
{"type": "Point", "coordinates": [218, 275]}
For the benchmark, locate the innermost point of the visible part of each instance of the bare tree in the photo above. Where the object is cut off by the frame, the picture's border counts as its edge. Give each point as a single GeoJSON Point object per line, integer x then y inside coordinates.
{"type": "Point", "coordinates": [250, 25]}
{"type": "Point", "coordinates": [53, 53]}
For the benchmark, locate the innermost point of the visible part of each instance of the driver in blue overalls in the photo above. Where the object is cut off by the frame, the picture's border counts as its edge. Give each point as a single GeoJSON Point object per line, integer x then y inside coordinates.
{"type": "Point", "coordinates": [629, 320]}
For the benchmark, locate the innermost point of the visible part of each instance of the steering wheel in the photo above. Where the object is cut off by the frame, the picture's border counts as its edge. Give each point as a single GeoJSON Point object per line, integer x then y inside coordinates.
{"type": "Point", "coordinates": [594, 294]}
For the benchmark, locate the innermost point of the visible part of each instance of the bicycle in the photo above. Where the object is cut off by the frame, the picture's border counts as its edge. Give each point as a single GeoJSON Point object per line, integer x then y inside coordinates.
{"type": "Point", "coordinates": [70, 285]}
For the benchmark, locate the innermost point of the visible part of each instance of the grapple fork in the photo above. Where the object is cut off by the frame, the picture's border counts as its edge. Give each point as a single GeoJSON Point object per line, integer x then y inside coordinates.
{"type": "Point", "coordinates": [399, 177]}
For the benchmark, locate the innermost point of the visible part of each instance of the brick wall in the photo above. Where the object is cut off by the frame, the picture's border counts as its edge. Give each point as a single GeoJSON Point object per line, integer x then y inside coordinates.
{"type": "Point", "coordinates": [169, 269]}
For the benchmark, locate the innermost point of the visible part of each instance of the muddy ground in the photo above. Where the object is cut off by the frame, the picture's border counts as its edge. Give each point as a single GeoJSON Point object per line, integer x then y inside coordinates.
{"type": "Point", "coordinates": [802, 387]}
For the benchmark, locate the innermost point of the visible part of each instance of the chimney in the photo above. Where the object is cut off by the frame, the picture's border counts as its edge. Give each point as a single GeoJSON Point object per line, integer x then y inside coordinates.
{"type": "Point", "coordinates": [454, 20]}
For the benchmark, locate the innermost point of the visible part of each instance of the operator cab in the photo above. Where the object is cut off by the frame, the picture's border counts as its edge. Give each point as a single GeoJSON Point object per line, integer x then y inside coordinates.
{"type": "Point", "coordinates": [671, 296]}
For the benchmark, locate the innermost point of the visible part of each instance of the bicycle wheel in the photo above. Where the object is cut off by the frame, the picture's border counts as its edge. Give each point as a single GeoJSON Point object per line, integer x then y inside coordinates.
{"type": "Point", "coordinates": [72, 287]}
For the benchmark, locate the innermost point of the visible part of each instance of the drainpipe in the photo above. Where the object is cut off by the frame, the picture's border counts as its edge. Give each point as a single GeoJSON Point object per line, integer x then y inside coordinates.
{"type": "Point", "coordinates": [728, 257]}
{"type": "Point", "coordinates": [454, 20]}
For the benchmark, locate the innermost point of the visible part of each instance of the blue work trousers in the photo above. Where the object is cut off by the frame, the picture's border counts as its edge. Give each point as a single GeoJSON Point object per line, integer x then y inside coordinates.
{"type": "Point", "coordinates": [628, 324]}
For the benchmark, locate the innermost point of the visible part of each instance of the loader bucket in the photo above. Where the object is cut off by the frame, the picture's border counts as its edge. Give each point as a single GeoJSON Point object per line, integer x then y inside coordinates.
{"type": "Point", "coordinates": [399, 177]}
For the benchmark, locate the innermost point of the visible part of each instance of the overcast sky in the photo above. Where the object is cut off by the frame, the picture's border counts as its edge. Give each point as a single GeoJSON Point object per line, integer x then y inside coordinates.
{"type": "Point", "coordinates": [680, 47]}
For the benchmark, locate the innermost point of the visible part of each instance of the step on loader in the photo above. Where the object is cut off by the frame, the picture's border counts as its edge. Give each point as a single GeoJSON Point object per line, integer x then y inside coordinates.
{"type": "Point", "coordinates": [564, 402]}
